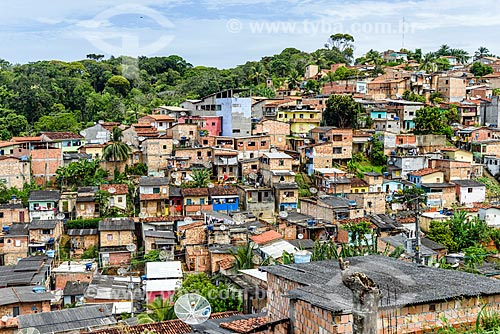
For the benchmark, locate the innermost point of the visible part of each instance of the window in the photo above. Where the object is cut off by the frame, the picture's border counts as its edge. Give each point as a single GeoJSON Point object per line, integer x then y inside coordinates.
{"type": "Point", "coordinates": [251, 155]}
{"type": "Point", "coordinates": [301, 116]}
{"type": "Point", "coordinates": [253, 166]}
{"type": "Point", "coordinates": [1, 214]}
{"type": "Point", "coordinates": [191, 133]}
{"type": "Point", "coordinates": [49, 206]}
{"type": "Point", "coordinates": [15, 311]}
{"type": "Point", "coordinates": [156, 190]}
{"type": "Point", "coordinates": [161, 123]}
{"type": "Point", "coordinates": [120, 199]}
{"type": "Point", "coordinates": [164, 147]}
{"type": "Point", "coordinates": [469, 190]}
{"type": "Point", "coordinates": [281, 162]}
{"type": "Point", "coordinates": [311, 115]}
{"type": "Point", "coordinates": [198, 154]}
{"type": "Point", "coordinates": [213, 123]}
{"type": "Point", "coordinates": [251, 143]}
{"type": "Point", "coordinates": [46, 231]}
{"type": "Point", "coordinates": [263, 143]}
{"type": "Point", "coordinates": [17, 243]}
{"type": "Point", "coordinates": [236, 131]}
{"type": "Point", "coordinates": [411, 113]}
{"type": "Point", "coordinates": [205, 142]}
{"type": "Point", "coordinates": [82, 206]}
{"type": "Point", "coordinates": [230, 169]}
{"type": "Point", "coordinates": [202, 201]}
{"type": "Point", "coordinates": [188, 201]}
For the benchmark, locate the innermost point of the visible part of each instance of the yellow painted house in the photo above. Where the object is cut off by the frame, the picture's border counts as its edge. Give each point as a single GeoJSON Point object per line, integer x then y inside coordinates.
{"type": "Point", "coordinates": [301, 121]}
{"type": "Point", "coordinates": [359, 185]}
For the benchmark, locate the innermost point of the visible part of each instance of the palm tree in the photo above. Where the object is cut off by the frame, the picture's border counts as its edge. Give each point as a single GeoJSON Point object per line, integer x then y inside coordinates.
{"type": "Point", "coordinates": [462, 56]}
{"type": "Point", "coordinates": [293, 79]}
{"type": "Point", "coordinates": [117, 150]}
{"type": "Point", "coordinates": [200, 178]}
{"type": "Point", "coordinates": [258, 73]}
{"type": "Point", "coordinates": [428, 62]}
{"type": "Point", "coordinates": [243, 257]}
{"type": "Point", "coordinates": [373, 57]}
{"type": "Point", "coordinates": [158, 310]}
{"type": "Point", "coordinates": [482, 52]}
{"type": "Point", "coordinates": [444, 50]}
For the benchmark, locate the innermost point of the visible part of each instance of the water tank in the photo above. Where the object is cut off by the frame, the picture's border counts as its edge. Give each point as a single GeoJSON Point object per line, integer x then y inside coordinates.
{"type": "Point", "coordinates": [302, 256]}
{"type": "Point", "coordinates": [6, 228]}
{"type": "Point", "coordinates": [39, 289]}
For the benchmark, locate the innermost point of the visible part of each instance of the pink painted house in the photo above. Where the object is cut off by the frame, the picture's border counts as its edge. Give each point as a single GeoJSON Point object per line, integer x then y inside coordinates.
{"type": "Point", "coordinates": [213, 124]}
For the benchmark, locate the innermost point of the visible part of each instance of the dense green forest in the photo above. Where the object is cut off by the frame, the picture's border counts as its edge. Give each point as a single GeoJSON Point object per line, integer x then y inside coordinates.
{"type": "Point", "coordinates": [56, 95]}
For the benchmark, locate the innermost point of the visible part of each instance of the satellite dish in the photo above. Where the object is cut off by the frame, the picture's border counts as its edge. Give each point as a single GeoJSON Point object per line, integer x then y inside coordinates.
{"type": "Point", "coordinates": [5, 318]}
{"type": "Point", "coordinates": [188, 220]}
{"type": "Point", "coordinates": [177, 183]}
{"type": "Point", "coordinates": [256, 259]}
{"type": "Point", "coordinates": [111, 190]}
{"type": "Point", "coordinates": [131, 247]}
{"type": "Point", "coordinates": [222, 227]}
{"type": "Point", "coordinates": [192, 309]}
{"type": "Point", "coordinates": [210, 185]}
{"type": "Point", "coordinates": [163, 255]}
{"type": "Point", "coordinates": [60, 216]}
{"type": "Point", "coordinates": [183, 113]}
{"type": "Point", "coordinates": [239, 218]}
{"type": "Point", "coordinates": [171, 115]}
{"type": "Point", "coordinates": [252, 176]}
{"type": "Point", "coordinates": [207, 164]}
{"type": "Point", "coordinates": [254, 245]}
{"type": "Point", "coordinates": [29, 330]}
{"type": "Point", "coordinates": [175, 142]}
{"type": "Point", "coordinates": [283, 214]}
{"type": "Point", "coordinates": [300, 236]}
{"type": "Point", "coordinates": [122, 271]}
{"type": "Point", "coordinates": [273, 150]}
{"type": "Point", "coordinates": [141, 138]}
{"type": "Point", "coordinates": [128, 143]}
{"type": "Point", "coordinates": [143, 215]}
{"type": "Point", "coordinates": [313, 190]}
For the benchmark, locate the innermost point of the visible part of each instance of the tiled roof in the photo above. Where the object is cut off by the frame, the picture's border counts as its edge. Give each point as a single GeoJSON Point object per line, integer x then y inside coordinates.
{"type": "Point", "coordinates": [170, 218]}
{"type": "Point", "coordinates": [356, 182]}
{"type": "Point", "coordinates": [194, 191]}
{"type": "Point", "coordinates": [424, 171]}
{"type": "Point", "coordinates": [245, 325]}
{"type": "Point", "coordinates": [149, 197]}
{"type": "Point", "coordinates": [25, 139]}
{"type": "Point", "coordinates": [61, 135]}
{"type": "Point", "coordinates": [164, 327]}
{"type": "Point", "coordinates": [120, 189]}
{"type": "Point", "coordinates": [222, 191]}
{"type": "Point", "coordinates": [225, 264]}
{"type": "Point", "coordinates": [266, 237]}
{"type": "Point", "coordinates": [189, 226]}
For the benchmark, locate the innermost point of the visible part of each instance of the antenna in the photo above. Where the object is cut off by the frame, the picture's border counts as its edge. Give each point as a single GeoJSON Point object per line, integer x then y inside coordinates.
{"type": "Point", "coordinates": [300, 236]}
{"type": "Point", "coordinates": [141, 138]}
{"type": "Point", "coordinates": [183, 113]}
{"type": "Point", "coordinates": [210, 185]}
{"type": "Point", "coordinates": [122, 271]}
{"type": "Point", "coordinates": [188, 220]}
{"type": "Point", "coordinates": [60, 216]}
{"type": "Point", "coordinates": [111, 190]}
{"type": "Point", "coordinates": [283, 214]}
{"type": "Point", "coordinates": [131, 247]}
{"type": "Point", "coordinates": [5, 318]}
{"type": "Point", "coordinates": [163, 255]}
{"type": "Point", "coordinates": [192, 309]}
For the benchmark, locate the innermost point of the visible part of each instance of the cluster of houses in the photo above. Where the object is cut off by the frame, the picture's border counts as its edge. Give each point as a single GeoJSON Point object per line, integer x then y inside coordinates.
{"type": "Point", "coordinates": [278, 180]}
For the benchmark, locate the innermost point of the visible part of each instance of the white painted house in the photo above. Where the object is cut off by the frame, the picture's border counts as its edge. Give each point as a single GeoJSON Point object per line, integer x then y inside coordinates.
{"type": "Point", "coordinates": [470, 191]}
{"type": "Point", "coordinates": [491, 216]}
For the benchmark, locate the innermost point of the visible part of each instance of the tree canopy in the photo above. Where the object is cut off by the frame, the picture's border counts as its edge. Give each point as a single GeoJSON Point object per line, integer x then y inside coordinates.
{"type": "Point", "coordinates": [341, 111]}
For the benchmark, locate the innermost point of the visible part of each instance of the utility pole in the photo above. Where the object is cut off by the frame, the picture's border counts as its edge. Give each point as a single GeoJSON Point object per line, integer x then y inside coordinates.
{"type": "Point", "coordinates": [418, 258]}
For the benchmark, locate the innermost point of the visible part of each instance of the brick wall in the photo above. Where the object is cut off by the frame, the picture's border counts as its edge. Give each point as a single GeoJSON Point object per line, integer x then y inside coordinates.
{"type": "Point", "coordinates": [276, 130]}
{"type": "Point", "coordinates": [63, 277]}
{"type": "Point", "coordinates": [156, 151]}
{"type": "Point", "coordinates": [118, 238]}
{"type": "Point", "coordinates": [13, 215]}
{"type": "Point", "coordinates": [14, 248]}
{"type": "Point", "coordinates": [14, 172]}
{"type": "Point", "coordinates": [44, 163]}
{"type": "Point", "coordinates": [277, 304]}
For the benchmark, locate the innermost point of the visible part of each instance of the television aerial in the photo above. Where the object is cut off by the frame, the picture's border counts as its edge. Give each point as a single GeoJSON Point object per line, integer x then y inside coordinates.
{"type": "Point", "coordinates": [60, 216]}
{"type": "Point", "coordinates": [188, 220]}
{"type": "Point", "coordinates": [111, 190]}
{"type": "Point", "coordinates": [239, 218]}
{"type": "Point", "coordinates": [122, 271]}
{"type": "Point", "coordinates": [163, 255]}
{"type": "Point", "coordinates": [300, 236]}
{"type": "Point", "coordinates": [222, 227]}
{"type": "Point", "coordinates": [175, 142]}
{"type": "Point", "coordinates": [5, 318]}
{"type": "Point", "coordinates": [313, 190]}
{"type": "Point", "coordinates": [29, 330]}
{"type": "Point", "coordinates": [192, 309]}
{"type": "Point", "coordinates": [283, 214]}
{"type": "Point", "coordinates": [131, 247]}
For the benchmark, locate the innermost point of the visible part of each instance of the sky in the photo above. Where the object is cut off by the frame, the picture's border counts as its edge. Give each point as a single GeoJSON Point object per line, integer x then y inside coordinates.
{"type": "Point", "coordinates": [226, 33]}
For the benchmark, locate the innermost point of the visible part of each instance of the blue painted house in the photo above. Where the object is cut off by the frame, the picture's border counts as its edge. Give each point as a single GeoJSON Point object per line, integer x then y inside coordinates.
{"type": "Point", "coordinates": [224, 198]}
{"type": "Point", "coordinates": [378, 114]}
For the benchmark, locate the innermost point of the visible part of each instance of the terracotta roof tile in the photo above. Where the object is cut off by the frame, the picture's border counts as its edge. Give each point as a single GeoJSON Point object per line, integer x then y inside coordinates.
{"type": "Point", "coordinates": [120, 189]}
{"type": "Point", "coordinates": [222, 191]}
{"type": "Point", "coordinates": [61, 135]}
{"type": "Point", "coordinates": [189, 226]}
{"type": "Point", "coordinates": [356, 182]}
{"type": "Point", "coordinates": [164, 327]}
{"type": "Point", "coordinates": [149, 197]}
{"type": "Point", "coordinates": [266, 237]}
{"type": "Point", "coordinates": [171, 218]}
{"type": "Point", "coordinates": [226, 264]}
{"type": "Point", "coordinates": [424, 171]}
{"type": "Point", "coordinates": [25, 139]}
{"type": "Point", "coordinates": [245, 325]}
{"type": "Point", "coordinates": [194, 192]}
